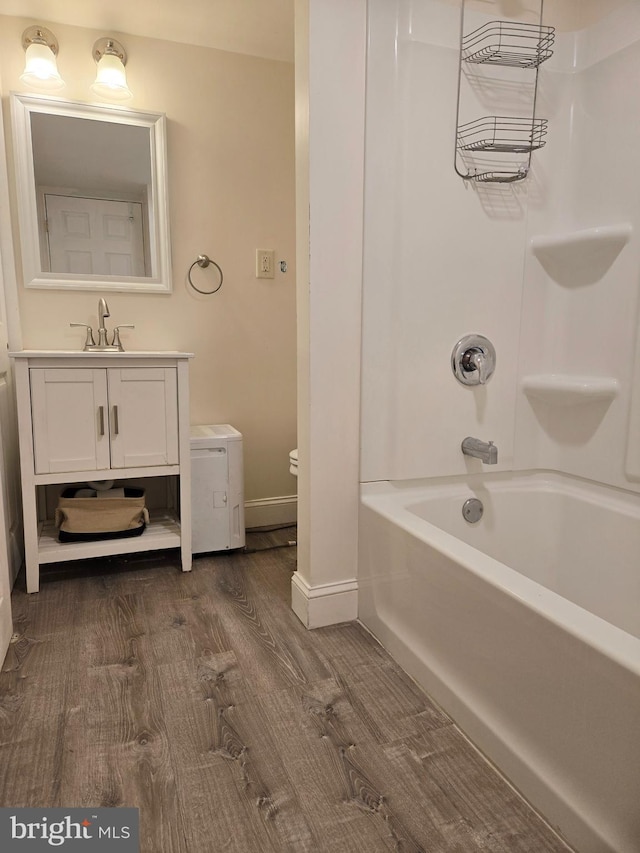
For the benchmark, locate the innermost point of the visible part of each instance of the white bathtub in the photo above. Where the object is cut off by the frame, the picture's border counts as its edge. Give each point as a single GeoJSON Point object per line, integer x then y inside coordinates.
{"type": "Point", "coordinates": [524, 626]}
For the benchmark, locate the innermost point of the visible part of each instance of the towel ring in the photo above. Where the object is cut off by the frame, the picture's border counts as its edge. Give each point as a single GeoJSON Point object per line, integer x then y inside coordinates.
{"type": "Point", "coordinates": [203, 261]}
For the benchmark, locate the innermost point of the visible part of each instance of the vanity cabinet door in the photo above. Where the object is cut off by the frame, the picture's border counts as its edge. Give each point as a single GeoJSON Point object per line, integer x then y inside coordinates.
{"type": "Point", "coordinates": [70, 411]}
{"type": "Point", "coordinates": [143, 416]}
{"type": "Point", "coordinates": [94, 420]}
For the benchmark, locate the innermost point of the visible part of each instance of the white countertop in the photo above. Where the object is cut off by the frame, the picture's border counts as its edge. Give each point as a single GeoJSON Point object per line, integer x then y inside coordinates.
{"type": "Point", "coordinates": [60, 353]}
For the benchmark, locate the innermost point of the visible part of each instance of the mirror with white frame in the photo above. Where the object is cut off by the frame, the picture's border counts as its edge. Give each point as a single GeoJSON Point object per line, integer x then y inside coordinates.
{"type": "Point", "coordinates": [92, 196]}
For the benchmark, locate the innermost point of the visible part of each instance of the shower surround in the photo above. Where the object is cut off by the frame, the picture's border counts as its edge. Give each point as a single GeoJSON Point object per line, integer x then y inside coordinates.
{"type": "Point", "coordinates": [548, 270]}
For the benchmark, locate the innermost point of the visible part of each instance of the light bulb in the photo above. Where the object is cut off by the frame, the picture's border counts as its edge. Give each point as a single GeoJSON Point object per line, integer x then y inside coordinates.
{"type": "Point", "coordinates": [111, 79]}
{"type": "Point", "coordinates": [41, 70]}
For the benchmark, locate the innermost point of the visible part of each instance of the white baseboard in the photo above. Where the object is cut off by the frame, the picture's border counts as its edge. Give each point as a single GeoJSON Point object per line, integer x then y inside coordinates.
{"type": "Point", "coordinates": [325, 604]}
{"type": "Point", "coordinates": [269, 511]}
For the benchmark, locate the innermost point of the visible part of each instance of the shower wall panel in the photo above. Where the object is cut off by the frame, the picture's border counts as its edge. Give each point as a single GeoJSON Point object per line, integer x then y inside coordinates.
{"type": "Point", "coordinates": [580, 319]}
{"type": "Point", "coordinates": [443, 257]}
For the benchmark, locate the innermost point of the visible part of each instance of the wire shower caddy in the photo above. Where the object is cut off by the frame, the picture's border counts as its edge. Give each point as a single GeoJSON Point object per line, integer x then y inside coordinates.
{"type": "Point", "coordinates": [509, 44]}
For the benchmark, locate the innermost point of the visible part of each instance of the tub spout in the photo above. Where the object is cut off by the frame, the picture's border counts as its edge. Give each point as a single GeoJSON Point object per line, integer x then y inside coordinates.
{"type": "Point", "coordinates": [486, 451]}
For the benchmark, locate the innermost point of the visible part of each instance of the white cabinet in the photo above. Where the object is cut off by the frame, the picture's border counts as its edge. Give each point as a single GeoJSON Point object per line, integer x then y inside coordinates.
{"type": "Point", "coordinates": [68, 409]}
{"type": "Point", "coordinates": [143, 416]}
{"type": "Point", "coordinates": [87, 420]}
{"type": "Point", "coordinates": [97, 416]}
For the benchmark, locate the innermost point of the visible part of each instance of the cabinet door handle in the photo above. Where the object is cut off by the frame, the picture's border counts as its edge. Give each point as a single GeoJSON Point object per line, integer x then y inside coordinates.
{"type": "Point", "coordinates": [101, 419]}
{"type": "Point", "coordinates": [115, 420]}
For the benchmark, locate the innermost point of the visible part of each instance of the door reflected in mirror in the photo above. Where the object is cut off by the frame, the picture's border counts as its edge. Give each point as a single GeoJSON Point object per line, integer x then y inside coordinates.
{"type": "Point", "coordinates": [91, 185]}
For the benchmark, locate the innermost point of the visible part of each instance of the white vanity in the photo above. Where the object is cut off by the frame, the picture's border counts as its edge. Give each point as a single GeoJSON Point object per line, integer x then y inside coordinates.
{"type": "Point", "coordinates": [90, 416]}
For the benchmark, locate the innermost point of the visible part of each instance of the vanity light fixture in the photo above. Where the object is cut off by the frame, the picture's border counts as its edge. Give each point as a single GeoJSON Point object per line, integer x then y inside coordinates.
{"type": "Point", "coordinates": [41, 69]}
{"type": "Point", "coordinates": [111, 79]}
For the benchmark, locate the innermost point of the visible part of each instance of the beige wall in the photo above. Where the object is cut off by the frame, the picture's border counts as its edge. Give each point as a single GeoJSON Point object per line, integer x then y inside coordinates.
{"type": "Point", "coordinates": [230, 122]}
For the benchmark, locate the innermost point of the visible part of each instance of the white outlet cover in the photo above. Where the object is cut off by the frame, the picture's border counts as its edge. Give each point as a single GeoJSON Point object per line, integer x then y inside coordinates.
{"type": "Point", "coordinates": [265, 263]}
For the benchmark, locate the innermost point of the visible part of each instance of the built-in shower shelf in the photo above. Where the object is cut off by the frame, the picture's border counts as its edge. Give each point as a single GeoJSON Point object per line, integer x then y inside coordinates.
{"type": "Point", "coordinates": [601, 238]}
{"type": "Point", "coordinates": [565, 389]}
{"type": "Point", "coordinates": [509, 43]}
{"type": "Point", "coordinates": [579, 257]}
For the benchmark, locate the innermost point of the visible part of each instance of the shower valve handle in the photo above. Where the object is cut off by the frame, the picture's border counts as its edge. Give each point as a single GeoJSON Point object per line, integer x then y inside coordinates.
{"type": "Point", "coordinates": [473, 360]}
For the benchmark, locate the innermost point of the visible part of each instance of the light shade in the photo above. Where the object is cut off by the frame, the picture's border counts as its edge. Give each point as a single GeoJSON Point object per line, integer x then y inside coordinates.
{"type": "Point", "coordinates": [111, 78]}
{"type": "Point", "coordinates": [41, 69]}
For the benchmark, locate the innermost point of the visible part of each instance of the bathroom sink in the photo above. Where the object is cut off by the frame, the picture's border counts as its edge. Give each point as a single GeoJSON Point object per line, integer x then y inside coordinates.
{"type": "Point", "coordinates": [107, 348]}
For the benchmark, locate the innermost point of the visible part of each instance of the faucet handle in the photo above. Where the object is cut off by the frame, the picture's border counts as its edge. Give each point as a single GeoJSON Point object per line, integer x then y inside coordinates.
{"type": "Point", "coordinates": [116, 335]}
{"type": "Point", "coordinates": [473, 360]}
{"type": "Point", "coordinates": [89, 342]}
{"type": "Point", "coordinates": [478, 359]}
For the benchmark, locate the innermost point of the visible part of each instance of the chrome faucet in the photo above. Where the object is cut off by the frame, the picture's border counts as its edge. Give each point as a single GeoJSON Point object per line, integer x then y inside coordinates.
{"type": "Point", "coordinates": [487, 451]}
{"type": "Point", "coordinates": [103, 311]}
{"type": "Point", "coordinates": [103, 344]}
{"type": "Point", "coordinates": [473, 360]}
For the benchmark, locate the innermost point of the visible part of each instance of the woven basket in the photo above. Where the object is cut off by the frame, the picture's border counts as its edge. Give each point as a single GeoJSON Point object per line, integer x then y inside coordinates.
{"type": "Point", "coordinates": [85, 519]}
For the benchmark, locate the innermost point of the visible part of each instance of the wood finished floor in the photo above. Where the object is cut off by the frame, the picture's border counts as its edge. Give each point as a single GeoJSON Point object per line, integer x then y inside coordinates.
{"type": "Point", "coordinates": [200, 699]}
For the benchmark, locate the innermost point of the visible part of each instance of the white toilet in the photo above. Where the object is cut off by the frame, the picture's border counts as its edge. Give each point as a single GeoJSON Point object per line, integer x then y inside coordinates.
{"type": "Point", "coordinates": [293, 462]}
